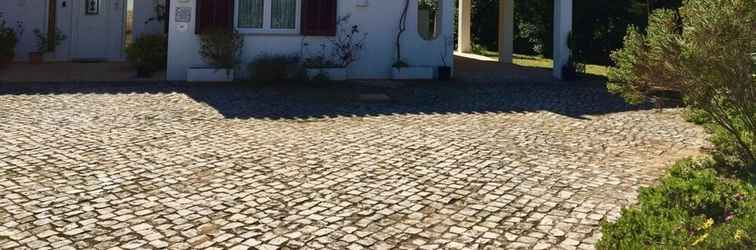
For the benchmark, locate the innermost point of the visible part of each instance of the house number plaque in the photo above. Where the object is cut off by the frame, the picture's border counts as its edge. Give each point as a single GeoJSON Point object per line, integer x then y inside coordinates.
{"type": "Point", "coordinates": [183, 14]}
{"type": "Point", "coordinates": [92, 7]}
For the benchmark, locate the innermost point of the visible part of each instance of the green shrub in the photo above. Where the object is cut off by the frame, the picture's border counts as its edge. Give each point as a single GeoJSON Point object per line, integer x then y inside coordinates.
{"type": "Point", "coordinates": [149, 53]}
{"type": "Point", "coordinates": [221, 48]}
{"type": "Point", "coordinates": [705, 54]}
{"type": "Point", "coordinates": [8, 41]}
{"type": "Point", "coordinates": [47, 44]}
{"type": "Point", "coordinates": [268, 67]}
{"type": "Point", "coordinates": [693, 207]}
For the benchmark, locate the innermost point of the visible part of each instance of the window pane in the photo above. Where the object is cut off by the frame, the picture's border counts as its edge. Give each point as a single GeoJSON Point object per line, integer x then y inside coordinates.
{"type": "Point", "coordinates": [283, 14]}
{"type": "Point", "coordinates": [251, 14]}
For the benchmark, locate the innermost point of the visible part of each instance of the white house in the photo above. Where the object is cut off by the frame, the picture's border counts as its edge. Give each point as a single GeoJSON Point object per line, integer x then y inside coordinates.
{"type": "Point", "coordinates": [94, 29]}
{"type": "Point", "coordinates": [272, 27]}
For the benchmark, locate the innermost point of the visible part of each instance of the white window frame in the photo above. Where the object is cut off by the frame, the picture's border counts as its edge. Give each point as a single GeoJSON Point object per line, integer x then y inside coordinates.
{"type": "Point", "coordinates": [267, 20]}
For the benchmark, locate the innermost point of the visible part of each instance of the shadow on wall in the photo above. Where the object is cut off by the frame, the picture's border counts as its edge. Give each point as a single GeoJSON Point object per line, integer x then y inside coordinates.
{"type": "Point", "coordinates": [308, 100]}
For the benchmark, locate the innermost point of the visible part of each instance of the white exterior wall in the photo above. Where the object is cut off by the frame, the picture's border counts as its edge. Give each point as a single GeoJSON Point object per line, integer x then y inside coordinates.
{"type": "Point", "coordinates": [33, 14]}
{"type": "Point", "coordinates": [143, 11]}
{"type": "Point", "coordinates": [380, 20]}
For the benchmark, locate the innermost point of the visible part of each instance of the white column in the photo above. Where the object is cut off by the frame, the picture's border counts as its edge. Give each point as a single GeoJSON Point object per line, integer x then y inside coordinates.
{"type": "Point", "coordinates": [465, 22]}
{"type": "Point", "coordinates": [562, 28]}
{"type": "Point", "coordinates": [506, 31]}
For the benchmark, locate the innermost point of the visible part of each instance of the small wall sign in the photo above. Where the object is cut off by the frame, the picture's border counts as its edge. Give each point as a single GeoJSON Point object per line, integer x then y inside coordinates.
{"type": "Point", "coordinates": [92, 7]}
{"type": "Point", "coordinates": [184, 14]}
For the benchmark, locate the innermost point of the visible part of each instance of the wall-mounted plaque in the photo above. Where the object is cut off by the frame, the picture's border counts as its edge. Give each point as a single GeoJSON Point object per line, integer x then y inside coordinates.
{"type": "Point", "coordinates": [92, 7]}
{"type": "Point", "coordinates": [184, 14]}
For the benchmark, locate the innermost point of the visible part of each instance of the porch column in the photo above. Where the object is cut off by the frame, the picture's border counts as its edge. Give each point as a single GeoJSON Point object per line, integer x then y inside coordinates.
{"type": "Point", "coordinates": [562, 28]}
{"type": "Point", "coordinates": [506, 31]}
{"type": "Point", "coordinates": [465, 22]}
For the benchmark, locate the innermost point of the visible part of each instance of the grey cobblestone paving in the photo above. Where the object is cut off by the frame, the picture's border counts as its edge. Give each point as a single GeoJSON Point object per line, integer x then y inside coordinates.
{"type": "Point", "coordinates": [171, 167]}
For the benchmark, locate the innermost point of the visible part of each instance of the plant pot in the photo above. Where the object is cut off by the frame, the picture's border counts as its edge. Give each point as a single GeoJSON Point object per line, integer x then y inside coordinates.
{"type": "Point", "coordinates": [569, 73]}
{"type": "Point", "coordinates": [36, 57]}
{"type": "Point", "coordinates": [209, 74]}
{"type": "Point", "coordinates": [444, 73]}
{"type": "Point", "coordinates": [333, 74]}
{"type": "Point", "coordinates": [5, 60]}
{"type": "Point", "coordinates": [412, 73]}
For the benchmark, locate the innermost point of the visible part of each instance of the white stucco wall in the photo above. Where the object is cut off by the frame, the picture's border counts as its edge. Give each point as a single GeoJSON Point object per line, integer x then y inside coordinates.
{"type": "Point", "coordinates": [33, 14]}
{"type": "Point", "coordinates": [380, 20]}
{"type": "Point", "coordinates": [143, 11]}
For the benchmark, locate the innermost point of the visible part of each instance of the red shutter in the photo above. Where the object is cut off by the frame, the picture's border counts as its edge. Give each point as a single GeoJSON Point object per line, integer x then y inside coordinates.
{"type": "Point", "coordinates": [214, 14]}
{"type": "Point", "coordinates": [319, 17]}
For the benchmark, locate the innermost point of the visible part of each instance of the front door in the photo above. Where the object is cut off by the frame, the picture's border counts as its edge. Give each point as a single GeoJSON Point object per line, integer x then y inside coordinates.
{"type": "Point", "coordinates": [98, 29]}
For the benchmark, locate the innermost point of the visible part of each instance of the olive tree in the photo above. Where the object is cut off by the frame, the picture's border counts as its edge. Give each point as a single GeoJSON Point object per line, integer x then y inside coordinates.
{"type": "Point", "coordinates": [704, 53]}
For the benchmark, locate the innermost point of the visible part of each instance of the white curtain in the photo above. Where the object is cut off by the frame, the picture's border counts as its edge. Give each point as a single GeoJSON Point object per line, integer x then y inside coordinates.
{"type": "Point", "coordinates": [283, 14]}
{"type": "Point", "coordinates": [251, 14]}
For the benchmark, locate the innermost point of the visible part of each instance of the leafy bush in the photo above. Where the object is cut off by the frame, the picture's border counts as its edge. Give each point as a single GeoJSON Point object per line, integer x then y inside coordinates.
{"type": "Point", "coordinates": [8, 41]}
{"type": "Point", "coordinates": [149, 53]}
{"type": "Point", "coordinates": [46, 44]}
{"type": "Point", "coordinates": [269, 67]}
{"type": "Point", "coordinates": [342, 50]}
{"type": "Point", "coordinates": [221, 48]}
{"type": "Point", "coordinates": [707, 59]}
{"type": "Point", "coordinates": [319, 62]}
{"type": "Point", "coordinates": [693, 207]}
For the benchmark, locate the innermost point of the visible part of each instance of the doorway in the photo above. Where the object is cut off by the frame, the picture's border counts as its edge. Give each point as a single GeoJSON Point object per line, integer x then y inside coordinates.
{"type": "Point", "coordinates": [97, 29]}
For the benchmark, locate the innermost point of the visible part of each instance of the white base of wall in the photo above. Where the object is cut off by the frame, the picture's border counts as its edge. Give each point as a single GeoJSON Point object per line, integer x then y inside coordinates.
{"type": "Point", "coordinates": [412, 73]}
{"type": "Point", "coordinates": [334, 74]}
{"type": "Point", "coordinates": [206, 74]}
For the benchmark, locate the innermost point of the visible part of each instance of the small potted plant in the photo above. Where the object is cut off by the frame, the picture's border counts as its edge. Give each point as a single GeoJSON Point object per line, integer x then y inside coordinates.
{"type": "Point", "coordinates": [345, 49]}
{"type": "Point", "coordinates": [148, 54]}
{"type": "Point", "coordinates": [8, 40]}
{"type": "Point", "coordinates": [445, 72]}
{"type": "Point", "coordinates": [569, 70]}
{"type": "Point", "coordinates": [45, 45]}
{"type": "Point", "coordinates": [572, 67]}
{"type": "Point", "coordinates": [221, 51]}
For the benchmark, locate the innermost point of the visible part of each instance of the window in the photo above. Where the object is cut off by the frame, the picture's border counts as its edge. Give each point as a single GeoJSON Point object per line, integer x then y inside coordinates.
{"type": "Point", "coordinates": [268, 16]}
{"type": "Point", "coordinates": [428, 19]}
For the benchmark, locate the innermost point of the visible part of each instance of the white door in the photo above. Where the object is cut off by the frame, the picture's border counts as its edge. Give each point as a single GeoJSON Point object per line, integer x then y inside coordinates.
{"type": "Point", "coordinates": [98, 29]}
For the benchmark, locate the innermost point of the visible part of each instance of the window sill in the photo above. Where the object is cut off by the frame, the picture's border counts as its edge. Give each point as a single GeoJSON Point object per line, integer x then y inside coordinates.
{"type": "Point", "coordinates": [268, 32]}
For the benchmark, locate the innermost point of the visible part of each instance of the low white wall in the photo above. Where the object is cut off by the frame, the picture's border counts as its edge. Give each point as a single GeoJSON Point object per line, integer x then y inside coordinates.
{"type": "Point", "coordinates": [380, 20]}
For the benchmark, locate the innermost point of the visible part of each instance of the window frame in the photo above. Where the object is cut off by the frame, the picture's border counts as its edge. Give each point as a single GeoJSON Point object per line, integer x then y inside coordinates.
{"type": "Point", "coordinates": [267, 22]}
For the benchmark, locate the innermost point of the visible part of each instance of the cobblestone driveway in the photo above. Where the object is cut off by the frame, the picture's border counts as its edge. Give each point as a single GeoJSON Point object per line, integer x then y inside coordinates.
{"type": "Point", "coordinates": [176, 166]}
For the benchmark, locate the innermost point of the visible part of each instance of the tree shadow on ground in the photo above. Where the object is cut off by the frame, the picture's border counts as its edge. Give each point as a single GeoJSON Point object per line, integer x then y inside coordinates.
{"type": "Point", "coordinates": [303, 100]}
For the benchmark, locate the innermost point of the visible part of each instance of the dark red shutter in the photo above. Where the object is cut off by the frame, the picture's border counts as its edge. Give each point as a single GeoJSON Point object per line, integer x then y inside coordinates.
{"type": "Point", "coordinates": [319, 17]}
{"type": "Point", "coordinates": [214, 14]}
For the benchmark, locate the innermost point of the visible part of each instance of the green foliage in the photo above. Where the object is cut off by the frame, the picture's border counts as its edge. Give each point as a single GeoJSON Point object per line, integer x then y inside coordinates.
{"type": "Point", "coordinates": [221, 48]}
{"type": "Point", "coordinates": [693, 207]}
{"type": "Point", "coordinates": [599, 25]}
{"type": "Point", "coordinates": [320, 62]}
{"type": "Point", "coordinates": [705, 54]}
{"type": "Point", "coordinates": [44, 42]}
{"type": "Point", "coordinates": [148, 53]}
{"type": "Point", "coordinates": [8, 40]}
{"type": "Point", "coordinates": [268, 67]}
